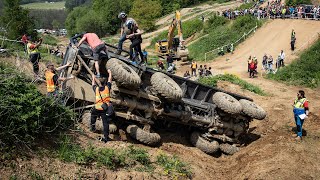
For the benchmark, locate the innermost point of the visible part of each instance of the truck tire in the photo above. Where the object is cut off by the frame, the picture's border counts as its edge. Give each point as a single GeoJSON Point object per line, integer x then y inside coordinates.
{"type": "Point", "coordinates": [252, 109]}
{"type": "Point", "coordinates": [123, 73]}
{"type": "Point", "coordinates": [166, 87]}
{"type": "Point", "coordinates": [86, 120]}
{"type": "Point", "coordinates": [151, 139]}
{"type": "Point", "coordinates": [227, 103]}
{"type": "Point", "coordinates": [203, 144]}
{"type": "Point", "coordinates": [228, 149]}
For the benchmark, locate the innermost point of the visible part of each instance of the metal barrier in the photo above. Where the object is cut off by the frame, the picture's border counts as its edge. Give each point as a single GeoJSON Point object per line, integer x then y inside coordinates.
{"type": "Point", "coordinates": [243, 37]}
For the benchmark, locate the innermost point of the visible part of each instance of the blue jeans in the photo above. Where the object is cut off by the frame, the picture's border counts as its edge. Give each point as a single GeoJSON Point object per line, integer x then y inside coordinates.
{"type": "Point", "coordinates": [299, 123]}
{"type": "Point", "coordinates": [121, 40]}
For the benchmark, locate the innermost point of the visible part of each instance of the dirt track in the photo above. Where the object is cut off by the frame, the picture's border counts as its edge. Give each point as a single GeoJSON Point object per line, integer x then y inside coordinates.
{"type": "Point", "coordinates": [270, 153]}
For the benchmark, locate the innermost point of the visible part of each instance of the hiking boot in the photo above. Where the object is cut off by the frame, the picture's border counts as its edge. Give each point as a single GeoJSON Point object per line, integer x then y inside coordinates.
{"type": "Point", "coordinates": [294, 135]}
{"type": "Point", "coordinates": [298, 138]}
{"type": "Point", "coordinates": [102, 139]}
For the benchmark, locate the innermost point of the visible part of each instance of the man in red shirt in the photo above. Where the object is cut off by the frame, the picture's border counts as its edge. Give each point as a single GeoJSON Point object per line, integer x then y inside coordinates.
{"type": "Point", "coordinates": [301, 112]}
{"type": "Point", "coordinates": [96, 45]}
{"type": "Point", "coordinates": [24, 40]}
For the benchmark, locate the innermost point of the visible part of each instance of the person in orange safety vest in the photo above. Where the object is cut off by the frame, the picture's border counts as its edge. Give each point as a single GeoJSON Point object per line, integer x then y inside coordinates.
{"type": "Point", "coordinates": [52, 79]}
{"type": "Point", "coordinates": [103, 107]}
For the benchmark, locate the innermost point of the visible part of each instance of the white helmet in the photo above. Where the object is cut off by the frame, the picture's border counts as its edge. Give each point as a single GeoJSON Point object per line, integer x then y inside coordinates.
{"type": "Point", "coordinates": [122, 15]}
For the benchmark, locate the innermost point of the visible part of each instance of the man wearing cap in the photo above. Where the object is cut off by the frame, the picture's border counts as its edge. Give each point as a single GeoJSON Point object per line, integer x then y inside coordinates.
{"type": "Point", "coordinates": [103, 106]}
{"type": "Point", "coordinates": [34, 55]}
{"type": "Point", "coordinates": [52, 79]}
{"type": "Point", "coordinates": [124, 29]}
{"type": "Point", "coordinates": [97, 47]}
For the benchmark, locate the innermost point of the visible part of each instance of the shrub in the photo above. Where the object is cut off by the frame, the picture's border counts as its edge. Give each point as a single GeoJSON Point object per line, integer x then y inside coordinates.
{"type": "Point", "coordinates": [51, 40]}
{"type": "Point", "coordinates": [213, 80]}
{"type": "Point", "coordinates": [25, 113]}
{"type": "Point", "coordinates": [304, 71]}
{"type": "Point", "coordinates": [173, 166]}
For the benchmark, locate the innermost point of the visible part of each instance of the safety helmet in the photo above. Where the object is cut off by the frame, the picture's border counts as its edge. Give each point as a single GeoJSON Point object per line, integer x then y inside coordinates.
{"type": "Point", "coordinates": [50, 65]}
{"type": "Point", "coordinates": [130, 24]}
{"type": "Point", "coordinates": [122, 15]}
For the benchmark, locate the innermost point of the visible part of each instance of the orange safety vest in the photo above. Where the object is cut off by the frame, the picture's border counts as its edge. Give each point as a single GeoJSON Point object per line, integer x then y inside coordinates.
{"type": "Point", "coordinates": [104, 98]}
{"type": "Point", "coordinates": [49, 79]}
{"type": "Point", "coordinates": [194, 65]}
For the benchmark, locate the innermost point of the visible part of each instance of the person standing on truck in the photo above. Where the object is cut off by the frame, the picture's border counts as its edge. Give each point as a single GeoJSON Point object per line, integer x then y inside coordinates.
{"type": "Point", "coordinates": [96, 45]}
{"type": "Point", "coordinates": [134, 34]}
{"type": "Point", "coordinates": [103, 107]}
{"type": "Point", "coordinates": [194, 67]}
{"type": "Point", "coordinates": [301, 112]}
{"type": "Point", "coordinates": [124, 28]}
{"type": "Point", "coordinates": [52, 79]}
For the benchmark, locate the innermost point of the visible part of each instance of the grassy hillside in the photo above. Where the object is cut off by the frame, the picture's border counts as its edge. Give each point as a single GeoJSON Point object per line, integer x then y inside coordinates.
{"type": "Point", "coordinates": [221, 32]}
{"type": "Point", "coordinates": [213, 80]}
{"type": "Point", "coordinates": [304, 71]}
{"type": "Point", "coordinates": [43, 5]}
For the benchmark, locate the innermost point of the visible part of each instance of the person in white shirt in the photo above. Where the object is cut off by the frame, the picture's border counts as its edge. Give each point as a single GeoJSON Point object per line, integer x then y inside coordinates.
{"type": "Point", "coordinates": [282, 57]}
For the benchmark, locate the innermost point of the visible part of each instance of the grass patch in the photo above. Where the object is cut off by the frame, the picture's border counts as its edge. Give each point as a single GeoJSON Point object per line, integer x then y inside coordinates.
{"type": "Point", "coordinates": [44, 5]}
{"type": "Point", "coordinates": [245, 6]}
{"type": "Point", "coordinates": [213, 80]}
{"type": "Point", "coordinates": [304, 71]}
{"type": "Point", "coordinates": [173, 166]}
{"type": "Point", "coordinates": [221, 32]}
{"type": "Point", "coordinates": [129, 157]}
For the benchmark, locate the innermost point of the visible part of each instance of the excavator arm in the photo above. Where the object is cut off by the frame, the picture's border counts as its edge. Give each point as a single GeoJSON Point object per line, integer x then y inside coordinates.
{"type": "Point", "coordinates": [180, 51]}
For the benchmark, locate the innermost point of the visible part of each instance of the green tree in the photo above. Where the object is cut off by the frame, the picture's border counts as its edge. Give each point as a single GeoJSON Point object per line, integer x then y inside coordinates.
{"type": "Point", "coordinates": [1, 7]}
{"type": "Point", "coordinates": [55, 24]}
{"type": "Point", "coordinates": [71, 4]}
{"type": "Point", "coordinates": [73, 16]}
{"type": "Point", "coordinates": [145, 12]}
{"type": "Point", "coordinates": [100, 18]}
{"type": "Point", "coordinates": [16, 20]}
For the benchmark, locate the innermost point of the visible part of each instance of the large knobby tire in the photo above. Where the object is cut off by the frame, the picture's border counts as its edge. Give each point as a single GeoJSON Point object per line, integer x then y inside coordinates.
{"type": "Point", "coordinates": [227, 103]}
{"type": "Point", "coordinates": [123, 74]}
{"type": "Point", "coordinates": [229, 149]}
{"type": "Point", "coordinates": [86, 120]}
{"type": "Point", "coordinates": [252, 109]}
{"type": "Point", "coordinates": [151, 139]}
{"type": "Point", "coordinates": [166, 86]}
{"type": "Point", "coordinates": [203, 144]}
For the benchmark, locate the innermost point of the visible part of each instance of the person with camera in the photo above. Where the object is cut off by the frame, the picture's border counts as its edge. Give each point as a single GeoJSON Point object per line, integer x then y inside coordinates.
{"type": "Point", "coordinates": [34, 55]}
{"type": "Point", "coordinates": [301, 112]}
{"type": "Point", "coordinates": [103, 107]}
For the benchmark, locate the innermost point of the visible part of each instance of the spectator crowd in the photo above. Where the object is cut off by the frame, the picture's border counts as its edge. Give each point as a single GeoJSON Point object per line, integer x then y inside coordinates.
{"type": "Point", "coordinates": [275, 9]}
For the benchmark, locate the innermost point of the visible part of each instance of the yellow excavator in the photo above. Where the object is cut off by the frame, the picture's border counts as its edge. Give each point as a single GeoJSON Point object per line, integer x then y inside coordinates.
{"type": "Point", "coordinates": [173, 46]}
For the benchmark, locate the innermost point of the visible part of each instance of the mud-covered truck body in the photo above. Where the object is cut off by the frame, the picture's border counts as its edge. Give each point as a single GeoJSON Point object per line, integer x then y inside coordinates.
{"type": "Point", "coordinates": [144, 97]}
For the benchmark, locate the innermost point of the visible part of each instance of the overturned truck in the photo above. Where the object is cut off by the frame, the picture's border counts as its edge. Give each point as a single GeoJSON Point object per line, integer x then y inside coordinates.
{"type": "Point", "coordinates": [144, 97]}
